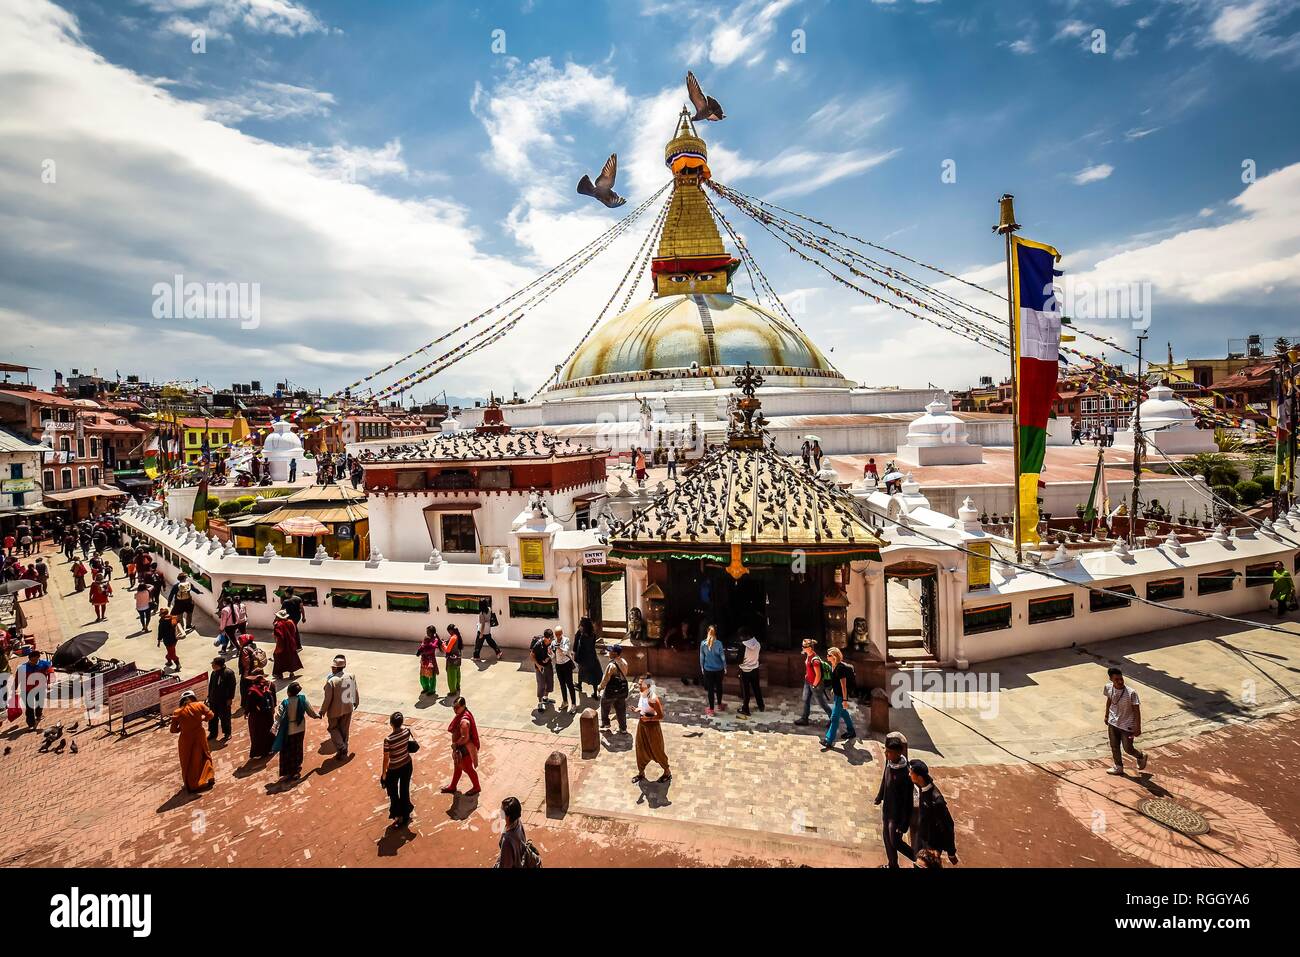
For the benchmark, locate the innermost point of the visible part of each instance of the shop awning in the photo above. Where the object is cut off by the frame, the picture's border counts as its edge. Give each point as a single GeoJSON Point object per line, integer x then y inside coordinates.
{"type": "Point", "coordinates": [27, 510]}
{"type": "Point", "coordinates": [94, 491]}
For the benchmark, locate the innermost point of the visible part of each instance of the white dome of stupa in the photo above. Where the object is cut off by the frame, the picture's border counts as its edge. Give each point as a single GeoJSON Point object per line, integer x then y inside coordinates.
{"type": "Point", "coordinates": [282, 447]}
{"type": "Point", "coordinates": [937, 427]}
{"type": "Point", "coordinates": [1164, 409]}
{"type": "Point", "coordinates": [281, 441]}
{"type": "Point", "coordinates": [939, 438]}
{"type": "Point", "coordinates": [1169, 424]}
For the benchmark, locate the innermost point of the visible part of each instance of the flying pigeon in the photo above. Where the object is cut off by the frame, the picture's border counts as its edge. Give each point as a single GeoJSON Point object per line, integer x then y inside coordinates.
{"type": "Point", "coordinates": [706, 107]}
{"type": "Point", "coordinates": [603, 188]}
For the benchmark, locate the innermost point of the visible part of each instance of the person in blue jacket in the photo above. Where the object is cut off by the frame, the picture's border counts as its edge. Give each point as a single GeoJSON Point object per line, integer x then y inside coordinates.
{"type": "Point", "coordinates": [713, 666]}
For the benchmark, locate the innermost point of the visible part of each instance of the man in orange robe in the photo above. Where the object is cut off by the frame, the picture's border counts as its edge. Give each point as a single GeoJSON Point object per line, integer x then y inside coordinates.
{"type": "Point", "coordinates": [190, 722]}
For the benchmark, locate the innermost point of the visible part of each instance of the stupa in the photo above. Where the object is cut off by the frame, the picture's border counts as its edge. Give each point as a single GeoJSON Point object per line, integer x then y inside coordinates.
{"type": "Point", "coordinates": [280, 448]}
{"type": "Point", "coordinates": [1169, 424]}
{"type": "Point", "coordinates": [939, 438]}
{"type": "Point", "coordinates": [677, 353]}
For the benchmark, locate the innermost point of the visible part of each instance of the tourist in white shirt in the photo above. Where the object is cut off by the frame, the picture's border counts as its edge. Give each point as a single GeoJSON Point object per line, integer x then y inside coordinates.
{"type": "Point", "coordinates": [562, 655]}
{"type": "Point", "coordinates": [1123, 721]}
{"type": "Point", "coordinates": [749, 671]}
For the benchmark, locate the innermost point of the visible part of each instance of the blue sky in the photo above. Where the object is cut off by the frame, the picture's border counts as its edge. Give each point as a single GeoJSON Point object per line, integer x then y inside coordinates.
{"type": "Point", "coordinates": [382, 174]}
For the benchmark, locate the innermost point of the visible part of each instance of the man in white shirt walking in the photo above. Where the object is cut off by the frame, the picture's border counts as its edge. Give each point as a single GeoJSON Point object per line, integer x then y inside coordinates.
{"type": "Point", "coordinates": [749, 680]}
{"type": "Point", "coordinates": [1123, 721]}
{"type": "Point", "coordinates": [341, 699]}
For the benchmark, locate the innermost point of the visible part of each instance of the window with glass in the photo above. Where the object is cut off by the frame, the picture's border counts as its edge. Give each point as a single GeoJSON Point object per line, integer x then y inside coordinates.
{"type": "Point", "coordinates": [458, 532]}
{"type": "Point", "coordinates": [1120, 596]}
{"type": "Point", "coordinates": [986, 618]}
{"type": "Point", "coordinates": [1165, 589]}
{"type": "Point", "coordinates": [1051, 608]}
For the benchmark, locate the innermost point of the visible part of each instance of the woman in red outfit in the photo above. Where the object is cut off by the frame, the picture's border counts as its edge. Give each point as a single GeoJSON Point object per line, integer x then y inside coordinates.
{"type": "Point", "coordinates": [464, 748]}
{"type": "Point", "coordinates": [287, 644]}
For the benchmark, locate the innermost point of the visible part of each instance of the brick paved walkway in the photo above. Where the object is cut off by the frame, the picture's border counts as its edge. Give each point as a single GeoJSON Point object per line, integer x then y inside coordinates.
{"type": "Point", "coordinates": [744, 791]}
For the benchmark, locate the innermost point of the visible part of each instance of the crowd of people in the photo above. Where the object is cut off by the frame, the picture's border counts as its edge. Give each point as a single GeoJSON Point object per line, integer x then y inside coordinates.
{"type": "Point", "coordinates": [242, 684]}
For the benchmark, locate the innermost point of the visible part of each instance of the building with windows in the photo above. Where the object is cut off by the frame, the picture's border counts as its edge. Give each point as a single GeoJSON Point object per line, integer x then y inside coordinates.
{"type": "Point", "coordinates": [20, 479]}
{"type": "Point", "coordinates": [458, 492]}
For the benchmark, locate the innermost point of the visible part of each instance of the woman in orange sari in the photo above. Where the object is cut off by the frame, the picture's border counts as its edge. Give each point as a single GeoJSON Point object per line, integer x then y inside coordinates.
{"type": "Point", "coordinates": [190, 722]}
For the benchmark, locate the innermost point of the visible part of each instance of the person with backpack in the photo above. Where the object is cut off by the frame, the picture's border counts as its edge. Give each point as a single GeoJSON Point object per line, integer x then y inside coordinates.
{"type": "Point", "coordinates": [251, 660]}
{"type": "Point", "coordinates": [515, 848]}
{"type": "Point", "coordinates": [181, 600]}
{"type": "Point", "coordinates": [613, 689]}
{"type": "Point", "coordinates": [259, 711]}
{"type": "Point", "coordinates": [487, 620]}
{"type": "Point", "coordinates": [935, 833]}
{"type": "Point", "coordinates": [713, 668]}
{"type": "Point", "coordinates": [167, 637]}
{"type": "Point", "coordinates": [813, 686]}
{"type": "Point", "coordinates": [840, 679]}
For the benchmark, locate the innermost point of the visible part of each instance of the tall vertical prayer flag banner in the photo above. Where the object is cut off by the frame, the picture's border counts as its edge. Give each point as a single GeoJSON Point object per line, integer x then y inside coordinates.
{"type": "Point", "coordinates": [1284, 432]}
{"type": "Point", "coordinates": [199, 514]}
{"type": "Point", "coordinates": [1037, 357]}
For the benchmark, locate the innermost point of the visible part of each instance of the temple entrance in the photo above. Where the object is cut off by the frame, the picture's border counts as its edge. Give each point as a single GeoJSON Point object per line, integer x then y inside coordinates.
{"type": "Point", "coordinates": [779, 608]}
{"type": "Point", "coordinates": [911, 612]}
{"type": "Point", "coordinates": [605, 600]}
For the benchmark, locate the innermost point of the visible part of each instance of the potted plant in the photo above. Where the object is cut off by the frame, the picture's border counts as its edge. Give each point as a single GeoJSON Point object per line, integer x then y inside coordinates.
{"type": "Point", "coordinates": [1079, 510]}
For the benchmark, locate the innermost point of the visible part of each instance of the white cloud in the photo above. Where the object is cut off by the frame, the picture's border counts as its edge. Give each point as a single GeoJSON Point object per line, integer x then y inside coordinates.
{"type": "Point", "coordinates": [1092, 174]}
{"type": "Point", "coordinates": [1139, 133]}
{"type": "Point", "coordinates": [1252, 28]}
{"type": "Point", "coordinates": [219, 17]}
{"type": "Point", "coordinates": [270, 101]}
{"type": "Point", "coordinates": [721, 35]}
{"type": "Point", "coordinates": [1237, 263]}
{"type": "Point", "coordinates": [362, 163]}
{"type": "Point", "coordinates": [1022, 47]}
{"type": "Point", "coordinates": [1069, 29]}
{"type": "Point", "coordinates": [1235, 23]}
{"type": "Point", "coordinates": [1127, 47]}
{"type": "Point", "coordinates": [147, 186]}
{"type": "Point", "coordinates": [853, 117]}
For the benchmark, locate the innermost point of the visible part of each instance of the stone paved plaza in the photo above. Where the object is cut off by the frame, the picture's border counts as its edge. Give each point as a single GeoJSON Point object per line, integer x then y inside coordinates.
{"type": "Point", "coordinates": [757, 790]}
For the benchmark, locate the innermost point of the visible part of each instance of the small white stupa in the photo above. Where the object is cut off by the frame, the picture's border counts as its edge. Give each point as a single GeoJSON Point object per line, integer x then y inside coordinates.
{"type": "Point", "coordinates": [282, 447]}
{"type": "Point", "coordinates": [939, 438]}
{"type": "Point", "coordinates": [1169, 423]}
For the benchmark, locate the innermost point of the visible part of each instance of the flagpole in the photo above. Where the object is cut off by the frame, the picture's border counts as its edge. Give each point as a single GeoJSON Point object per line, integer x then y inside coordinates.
{"type": "Point", "coordinates": [1139, 445]}
{"type": "Point", "coordinates": [1006, 226]}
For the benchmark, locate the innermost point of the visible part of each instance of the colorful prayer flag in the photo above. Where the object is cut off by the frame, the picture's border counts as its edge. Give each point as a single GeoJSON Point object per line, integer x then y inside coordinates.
{"type": "Point", "coordinates": [1037, 356]}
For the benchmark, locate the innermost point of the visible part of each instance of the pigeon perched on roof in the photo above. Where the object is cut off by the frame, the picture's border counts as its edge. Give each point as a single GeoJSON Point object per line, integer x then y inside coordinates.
{"type": "Point", "coordinates": [706, 107]}
{"type": "Point", "coordinates": [603, 188]}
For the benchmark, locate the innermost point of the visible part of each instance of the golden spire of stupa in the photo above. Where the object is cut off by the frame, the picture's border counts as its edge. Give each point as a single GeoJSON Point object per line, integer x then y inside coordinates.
{"type": "Point", "coordinates": [691, 257]}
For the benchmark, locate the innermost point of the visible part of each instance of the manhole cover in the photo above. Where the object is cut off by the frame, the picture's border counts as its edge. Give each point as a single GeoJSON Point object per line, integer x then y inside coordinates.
{"type": "Point", "coordinates": [1174, 815]}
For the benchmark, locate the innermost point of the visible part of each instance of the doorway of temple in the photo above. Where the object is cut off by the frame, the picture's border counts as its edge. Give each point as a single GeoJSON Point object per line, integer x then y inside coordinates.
{"type": "Point", "coordinates": [911, 613]}
{"type": "Point", "coordinates": [605, 600]}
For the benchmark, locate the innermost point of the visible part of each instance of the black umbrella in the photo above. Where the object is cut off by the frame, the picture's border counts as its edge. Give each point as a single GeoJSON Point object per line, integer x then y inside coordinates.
{"type": "Point", "coordinates": [74, 649]}
{"type": "Point", "coordinates": [14, 587]}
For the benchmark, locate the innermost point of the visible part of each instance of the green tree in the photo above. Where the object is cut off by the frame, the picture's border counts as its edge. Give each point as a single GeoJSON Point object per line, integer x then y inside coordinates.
{"type": "Point", "coordinates": [1217, 468]}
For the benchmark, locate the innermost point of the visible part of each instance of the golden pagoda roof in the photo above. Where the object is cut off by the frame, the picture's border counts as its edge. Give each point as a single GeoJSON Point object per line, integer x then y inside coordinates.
{"type": "Point", "coordinates": [689, 229]}
{"type": "Point", "coordinates": [749, 497]}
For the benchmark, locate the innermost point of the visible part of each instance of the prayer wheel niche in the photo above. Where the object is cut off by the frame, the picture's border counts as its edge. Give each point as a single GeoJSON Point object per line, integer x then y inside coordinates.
{"type": "Point", "coordinates": [654, 612]}
{"type": "Point", "coordinates": [836, 615]}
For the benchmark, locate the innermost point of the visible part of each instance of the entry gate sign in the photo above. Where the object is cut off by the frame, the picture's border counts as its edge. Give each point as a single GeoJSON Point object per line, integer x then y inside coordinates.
{"type": "Point", "coordinates": [170, 693]}
{"type": "Point", "coordinates": [594, 556]}
{"type": "Point", "coordinates": [132, 695]}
